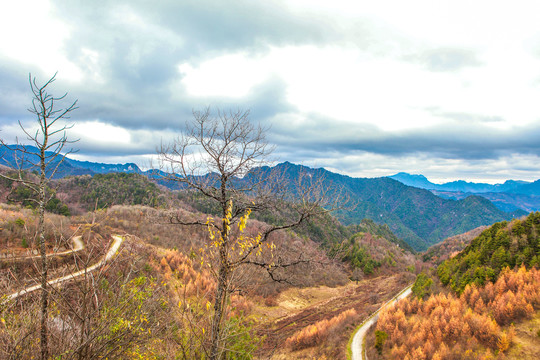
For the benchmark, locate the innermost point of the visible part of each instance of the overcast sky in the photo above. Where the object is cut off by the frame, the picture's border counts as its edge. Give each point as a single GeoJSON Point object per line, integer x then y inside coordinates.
{"type": "Point", "coordinates": [448, 89]}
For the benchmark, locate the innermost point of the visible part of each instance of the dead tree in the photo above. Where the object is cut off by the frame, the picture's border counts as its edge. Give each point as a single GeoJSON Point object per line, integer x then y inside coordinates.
{"type": "Point", "coordinates": [221, 157]}
{"type": "Point", "coordinates": [44, 156]}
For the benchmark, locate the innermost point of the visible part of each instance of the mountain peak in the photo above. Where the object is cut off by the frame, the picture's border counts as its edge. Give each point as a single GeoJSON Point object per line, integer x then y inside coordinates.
{"type": "Point", "coordinates": [419, 181]}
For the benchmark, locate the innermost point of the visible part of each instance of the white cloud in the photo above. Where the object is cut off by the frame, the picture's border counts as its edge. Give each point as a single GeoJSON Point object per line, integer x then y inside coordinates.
{"type": "Point", "coordinates": [100, 132]}
{"type": "Point", "coordinates": [338, 72]}
{"type": "Point", "coordinates": [32, 35]}
{"type": "Point", "coordinates": [232, 75]}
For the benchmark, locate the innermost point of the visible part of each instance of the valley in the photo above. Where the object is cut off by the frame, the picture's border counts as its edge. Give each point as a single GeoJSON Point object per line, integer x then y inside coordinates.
{"type": "Point", "coordinates": [262, 180]}
{"type": "Point", "coordinates": [311, 312]}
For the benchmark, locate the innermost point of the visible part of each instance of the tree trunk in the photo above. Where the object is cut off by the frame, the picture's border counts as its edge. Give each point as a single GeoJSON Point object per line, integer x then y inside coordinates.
{"type": "Point", "coordinates": [223, 276]}
{"type": "Point", "coordinates": [44, 265]}
{"type": "Point", "coordinates": [219, 312]}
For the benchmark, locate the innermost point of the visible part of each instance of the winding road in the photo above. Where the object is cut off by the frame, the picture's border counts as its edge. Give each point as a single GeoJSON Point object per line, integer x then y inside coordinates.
{"type": "Point", "coordinates": [78, 245]}
{"type": "Point", "coordinates": [357, 345]}
{"type": "Point", "coordinates": [108, 256]}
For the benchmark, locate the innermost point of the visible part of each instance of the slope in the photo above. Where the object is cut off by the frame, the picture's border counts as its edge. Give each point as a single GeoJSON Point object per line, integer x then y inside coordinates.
{"type": "Point", "coordinates": [416, 215]}
{"type": "Point", "coordinates": [502, 245]}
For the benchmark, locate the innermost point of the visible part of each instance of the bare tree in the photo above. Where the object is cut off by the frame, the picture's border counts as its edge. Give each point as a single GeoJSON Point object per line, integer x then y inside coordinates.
{"type": "Point", "coordinates": [45, 157]}
{"type": "Point", "coordinates": [221, 157]}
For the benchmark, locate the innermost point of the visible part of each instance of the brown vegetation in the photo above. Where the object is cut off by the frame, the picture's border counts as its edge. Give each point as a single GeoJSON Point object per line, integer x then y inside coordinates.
{"type": "Point", "coordinates": [298, 310]}
{"type": "Point", "coordinates": [18, 228]}
{"type": "Point", "coordinates": [314, 334]}
{"type": "Point", "coordinates": [451, 246]}
{"type": "Point", "coordinates": [179, 313]}
{"type": "Point", "coordinates": [469, 326]}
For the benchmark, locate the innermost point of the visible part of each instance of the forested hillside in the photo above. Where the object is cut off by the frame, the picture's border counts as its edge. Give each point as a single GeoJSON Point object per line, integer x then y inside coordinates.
{"type": "Point", "coordinates": [479, 324]}
{"type": "Point", "coordinates": [105, 190]}
{"type": "Point", "coordinates": [451, 246]}
{"type": "Point", "coordinates": [485, 308]}
{"type": "Point", "coordinates": [502, 245]}
{"type": "Point", "coordinates": [415, 215]}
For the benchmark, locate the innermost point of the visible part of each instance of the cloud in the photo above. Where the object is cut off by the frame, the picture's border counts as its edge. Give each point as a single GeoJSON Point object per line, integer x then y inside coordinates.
{"type": "Point", "coordinates": [356, 88]}
{"type": "Point", "coordinates": [464, 117]}
{"type": "Point", "coordinates": [446, 59]}
{"type": "Point", "coordinates": [455, 140]}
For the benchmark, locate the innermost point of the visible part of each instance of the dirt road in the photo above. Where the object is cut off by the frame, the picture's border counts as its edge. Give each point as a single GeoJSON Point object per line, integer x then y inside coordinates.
{"type": "Point", "coordinates": [358, 351]}
{"type": "Point", "coordinates": [108, 256]}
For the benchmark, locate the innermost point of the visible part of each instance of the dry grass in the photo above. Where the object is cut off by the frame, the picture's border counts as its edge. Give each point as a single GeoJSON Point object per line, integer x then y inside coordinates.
{"type": "Point", "coordinates": [527, 341]}
{"type": "Point", "coordinates": [319, 292]}
{"type": "Point", "coordinates": [299, 309]}
{"type": "Point", "coordinates": [18, 228]}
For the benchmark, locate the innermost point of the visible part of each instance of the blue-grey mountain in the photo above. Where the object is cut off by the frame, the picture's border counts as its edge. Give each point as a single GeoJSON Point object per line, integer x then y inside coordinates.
{"type": "Point", "coordinates": [416, 215]}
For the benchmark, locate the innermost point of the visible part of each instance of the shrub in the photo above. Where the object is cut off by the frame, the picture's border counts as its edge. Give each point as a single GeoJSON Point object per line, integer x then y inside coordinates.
{"type": "Point", "coordinates": [314, 334]}
{"type": "Point", "coordinates": [380, 338]}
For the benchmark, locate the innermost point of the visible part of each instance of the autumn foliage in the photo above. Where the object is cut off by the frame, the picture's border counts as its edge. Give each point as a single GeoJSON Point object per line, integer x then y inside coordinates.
{"type": "Point", "coordinates": [176, 266]}
{"type": "Point", "coordinates": [469, 326]}
{"type": "Point", "coordinates": [314, 334]}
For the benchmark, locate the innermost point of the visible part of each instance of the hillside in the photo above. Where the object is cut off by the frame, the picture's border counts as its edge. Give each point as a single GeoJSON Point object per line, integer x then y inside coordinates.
{"type": "Point", "coordinates": [503, 244]}
{"type": "Point", "coordinates": [83, 193]}
{"type": "Point", "coordinates": [316, 292]}
{"type": "Point", "coordinates": [370, 253]}
{"type": "Point", "coordinates": [415, 215]}
{"type": "Point", "coordinates": [495, 321]}
{"type": "Point", "coordinates": [489, 308]}
{"type": "Point", "coordinates": [451, 246]}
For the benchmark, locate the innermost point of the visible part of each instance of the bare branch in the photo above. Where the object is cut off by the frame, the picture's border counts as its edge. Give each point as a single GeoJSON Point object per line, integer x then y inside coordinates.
{"type": "Point", "coordinates": [47, 137]}
{"type": "Point", "coordinates": [223, 157]}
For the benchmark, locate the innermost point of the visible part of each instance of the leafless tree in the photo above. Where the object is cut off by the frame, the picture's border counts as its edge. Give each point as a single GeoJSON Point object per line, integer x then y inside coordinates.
{"type": "Point", "coordinates": [45, 157]}
{"type": "Point", "coordinates": [106, 309]}
{"type": "Point", "coordinates": [222, 157]}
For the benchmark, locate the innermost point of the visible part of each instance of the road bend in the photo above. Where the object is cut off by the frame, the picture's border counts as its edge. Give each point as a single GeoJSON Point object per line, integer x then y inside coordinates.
{"type": "Point", "coordinates": [117, 241]}
{"type": "Point", "coordinates": [357, 345]}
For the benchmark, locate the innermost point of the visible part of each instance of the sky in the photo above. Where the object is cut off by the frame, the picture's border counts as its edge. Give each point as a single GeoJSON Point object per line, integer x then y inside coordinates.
{"type": "Point", "coordinates": [447, 89]}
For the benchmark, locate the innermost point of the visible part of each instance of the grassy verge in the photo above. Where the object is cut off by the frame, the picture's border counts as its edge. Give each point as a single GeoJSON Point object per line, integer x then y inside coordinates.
{"type": "Point", "coordinates": [349, 344]}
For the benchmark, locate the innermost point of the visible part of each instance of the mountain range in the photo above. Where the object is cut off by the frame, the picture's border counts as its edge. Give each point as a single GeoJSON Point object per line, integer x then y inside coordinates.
{"type": "Point", "coordinates": [11, 156]}
{"type": "Point", "coordinates": [414, 214]}
{"type": "Point", "coordinates": [510, 196]}
{"type": "Point", "coordinates": [510, 186]}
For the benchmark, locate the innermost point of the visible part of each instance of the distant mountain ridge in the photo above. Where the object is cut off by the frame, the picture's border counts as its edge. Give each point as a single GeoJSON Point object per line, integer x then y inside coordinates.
{"type": "Point", "coordinates": [69, 167]}
{"type": "Point", "coordinates": [505, 201]}
{"type": "Point", "coordinates": [416, 215]}
{"type": "Point", "coordinates": [513, 186]}
{"type": "Point", "coordinates": [510, 196]}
